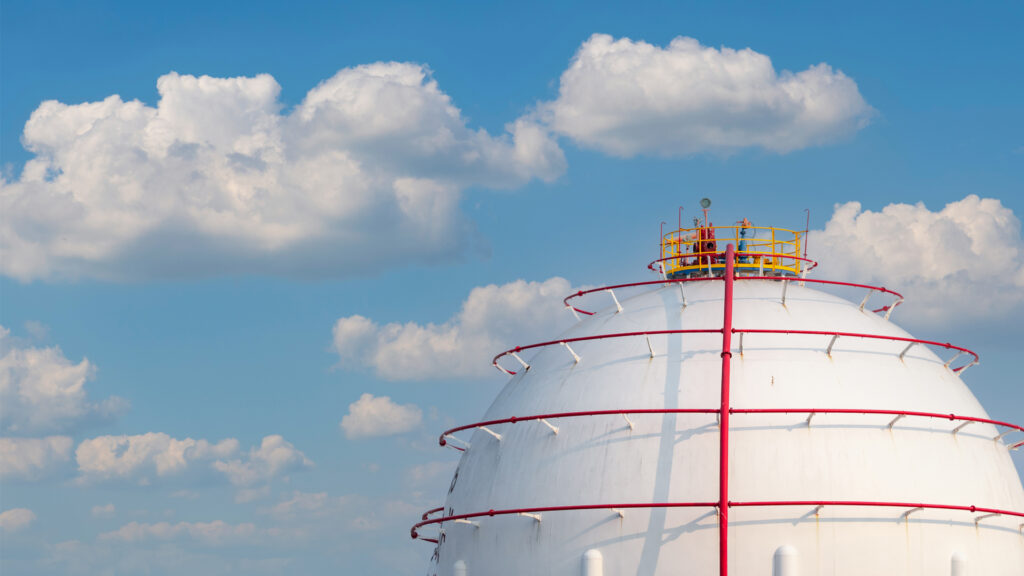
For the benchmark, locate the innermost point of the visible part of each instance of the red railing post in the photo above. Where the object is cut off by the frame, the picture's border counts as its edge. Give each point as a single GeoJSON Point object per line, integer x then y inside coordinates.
{"type": "Point", "coordinates": [723, 458]}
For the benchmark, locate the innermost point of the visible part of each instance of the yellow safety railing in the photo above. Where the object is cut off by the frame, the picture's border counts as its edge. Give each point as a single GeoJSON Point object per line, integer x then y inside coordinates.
{"type": "Point", "coordinates": [763, 249]}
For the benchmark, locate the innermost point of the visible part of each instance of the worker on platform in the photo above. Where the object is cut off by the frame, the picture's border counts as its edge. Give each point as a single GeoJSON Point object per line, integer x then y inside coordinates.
{"type": "Point", "coordinates": [693, 243]}
{"type": "Point", "coordinates": [743, 258]}
{"type": "Point", "coordinates": [708, 246]}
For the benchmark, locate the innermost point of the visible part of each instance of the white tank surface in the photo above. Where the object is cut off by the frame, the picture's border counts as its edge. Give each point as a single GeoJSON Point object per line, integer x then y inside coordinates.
{"type": "Point", "coordinates": [852, 448]}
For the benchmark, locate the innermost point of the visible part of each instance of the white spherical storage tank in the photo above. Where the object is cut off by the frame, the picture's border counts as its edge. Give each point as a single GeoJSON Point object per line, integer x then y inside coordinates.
{"type": "Point", "coordinates": [732, 416]}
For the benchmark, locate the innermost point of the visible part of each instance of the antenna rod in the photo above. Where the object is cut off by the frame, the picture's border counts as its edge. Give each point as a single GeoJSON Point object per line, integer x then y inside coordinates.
{"type": "Point", "coordinates": [807, 230]}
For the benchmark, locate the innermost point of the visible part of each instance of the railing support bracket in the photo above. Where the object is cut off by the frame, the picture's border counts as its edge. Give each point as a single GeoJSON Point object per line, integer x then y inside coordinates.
{"type": "Point", "coordinates": [575, 356]}
{"type": "Point", "coordinates": [491, 432]}
{"type": "Point", "coordinates": [617, 305]}
{"type": "Point", "coordinates": [550, 425]}
{"type": "Point", "coordinates": [831, 344]}
{"type": "Point", "coordinates": [628, 421]}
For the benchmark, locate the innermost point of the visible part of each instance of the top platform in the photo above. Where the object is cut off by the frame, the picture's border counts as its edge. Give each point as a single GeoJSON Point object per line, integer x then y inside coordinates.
{"type": "Point", "coordinates": [689, 252]}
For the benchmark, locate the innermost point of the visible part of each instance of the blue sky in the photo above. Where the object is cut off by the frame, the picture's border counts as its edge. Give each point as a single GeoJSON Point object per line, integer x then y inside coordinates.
{"type": "Point", "coordinates": [213, 324]}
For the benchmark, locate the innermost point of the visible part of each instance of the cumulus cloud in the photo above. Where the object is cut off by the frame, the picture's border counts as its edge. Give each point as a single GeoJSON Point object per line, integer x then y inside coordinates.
{"type": "Point", "coordinates": [32, 458]}
{"type": "Point", "coordinates": [379, 416]}
{"type": "Point", "coordinates": [144, 456]}
{"type": "Point", "coordinates": [15, 519]}
{"type": "Point", "coordinates": [626, 97]}
{"type": "Point", "coordinates": [216, 533]}
{"type": "Point", "coordinates": [181, 554]}
{"type": "Point", "coordinates": [275, 456]}
{"type": "Point", "coordinates": [105, 511]}
{"type": "Point", "coordinates": [431, 477]}
{"type": "Point", "coordinates": [966, 258]}
{"type": "Point", "coordinates": [492, 318]}
{"type": "Point", "coordinates": [304, 512]}
{"type": "Point", "coordinates": [217, 178]}
{"type": "Point", "coordinates": [310, 504]}
{"type": "Point", "coordinates": [42, 391]}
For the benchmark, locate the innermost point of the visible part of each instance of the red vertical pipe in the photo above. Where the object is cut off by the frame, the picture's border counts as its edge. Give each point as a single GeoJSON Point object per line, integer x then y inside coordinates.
{"type": "Point", "coordinates": [723, 455]}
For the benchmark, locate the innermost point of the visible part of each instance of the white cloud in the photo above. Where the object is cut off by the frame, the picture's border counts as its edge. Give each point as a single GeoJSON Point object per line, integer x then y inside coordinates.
{"type": "Point", "coordinates": [185, 494]}
{"type": "Point", "coordinates": [216, 179]}
{"type": "Point", "coordinates": [310, 504]}
{"type": "Point", "coordinates": [15, 519]}
{"type": "Point", "coordinates": [181, 554]}
{"type": "Point", "coordinates": [431, 477]}
{"type": "Point", "coordinates": [32, 458]}
{"type": "Point", "coordinates": [142, 456]}
{"type": "Point", "coordinates": [965, 260]}
{"type": "Point", "coordinates": [105, 511]}
{"type": "Point", "coordinates": [37, 329]}
{"type": "Point", "coordinates": [216, 533]}
{"type": "Point", "coordinates": [627, 98]}
{"type": "Point", "coordinates": [274, 457]}
{"type": "Point", "coordinates": [379, 416]}
{"type": "Point", "coordinates": [304, 512]}
{"type": "Point", "coordinates": [492, 319]}
{"type": "Point", "coordinates": [42, 391]}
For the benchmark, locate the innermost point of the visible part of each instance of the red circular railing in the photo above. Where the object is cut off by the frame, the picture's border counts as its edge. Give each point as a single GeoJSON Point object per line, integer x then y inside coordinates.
{"type": "Point", "coordinates": [911, 506]}
{"type": "Point", "coordinates": [558, 415]}
{"type": "Point", "coordinates": [881, 289]}
{"type": "Point", "coordinates": [946, 345]}
{"type": "Point", "coordinates": [514, 351]}
{"type": "Point", "coordinates": [860, 411]}
{"type": "Point", "coordinates": [517, 349]}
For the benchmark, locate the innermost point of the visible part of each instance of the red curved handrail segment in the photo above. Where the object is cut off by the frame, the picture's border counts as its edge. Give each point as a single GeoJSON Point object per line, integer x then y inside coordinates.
{"type": "Point", "coordinates": [556, 415]}
{"type": "Point", "coordinates": [518, 349]}
{"type": "Point", "coordinates": [910, 341]}
{"type": "Point", "coordinates": [629, 285]}
{"type": "Point", "coordinates": [881, 289]}
{"type": "Point", "coordinates": [542, 509]}
{"type": "Point", "coordinates": [901, 413]}
{"type": "Point", "coordinates": [866, 504]}
{"type": "Point", "coordinates": [945, 345]}
{"type": "Point", "coordinates": [843, 503]}
{"type": "Point", "coordinates": [432, 511]}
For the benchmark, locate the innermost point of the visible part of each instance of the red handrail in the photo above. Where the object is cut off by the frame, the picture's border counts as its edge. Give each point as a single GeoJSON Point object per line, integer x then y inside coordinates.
{"type": "Point", "coordinates": [597, 337]}
{"type": "Point", "coordinates": [558, 415]}
{"type": "Point", "coordinates": [945, 345]}
{"type": "Point", "coordinates": [938, 415]}
{"type": "Point", "coordinates": [882, 289]}
{"type": "Point", "coordinates": [432, 511]}
{"type": "Point", "coordinates": [541, 509]}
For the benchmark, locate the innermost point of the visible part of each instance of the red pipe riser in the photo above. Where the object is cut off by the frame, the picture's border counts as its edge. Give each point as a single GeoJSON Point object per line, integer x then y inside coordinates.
{"type": "Point", "coordinates": [723, 455]}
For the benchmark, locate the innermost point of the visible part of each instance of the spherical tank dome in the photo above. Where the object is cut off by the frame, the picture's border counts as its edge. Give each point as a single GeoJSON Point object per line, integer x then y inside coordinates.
{"type": "Point", "coordinates": [852, 448]}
